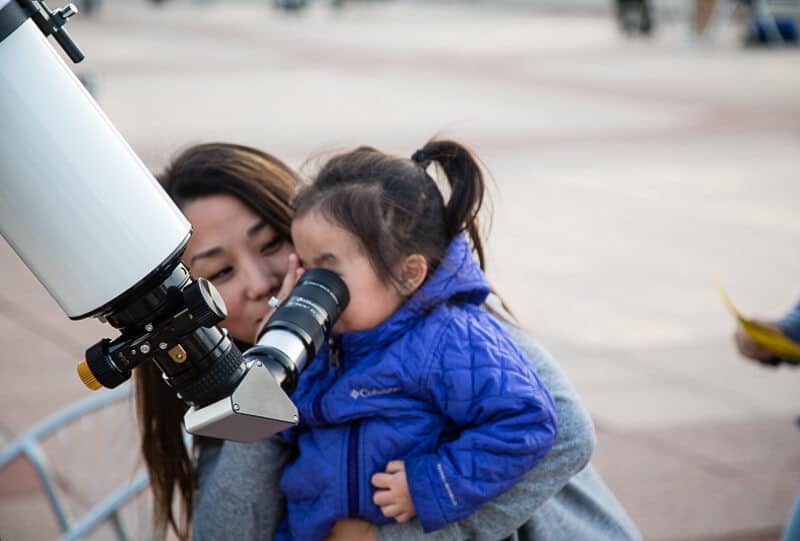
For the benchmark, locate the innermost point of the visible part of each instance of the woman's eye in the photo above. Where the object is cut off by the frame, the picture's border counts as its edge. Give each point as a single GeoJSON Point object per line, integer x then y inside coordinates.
{"type": "Point", "coordinates": [273, 245]}
{"type": "Point", "coordinates": [220, 275]}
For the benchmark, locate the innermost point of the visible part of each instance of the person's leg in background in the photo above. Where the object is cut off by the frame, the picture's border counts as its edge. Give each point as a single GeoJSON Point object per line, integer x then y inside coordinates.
{"type": "Point", "coordinates": [792, 530]}
{"type": "Point", "coordinates": [635, 16]}
{"type": "Point", "coordinates": [702, 14]}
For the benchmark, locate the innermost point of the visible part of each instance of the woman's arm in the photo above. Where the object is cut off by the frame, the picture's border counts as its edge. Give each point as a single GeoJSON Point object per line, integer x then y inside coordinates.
{"type": "Point", "coordinates": [238, 494]}
{"type": "Point", "coordinates": [505, 514]}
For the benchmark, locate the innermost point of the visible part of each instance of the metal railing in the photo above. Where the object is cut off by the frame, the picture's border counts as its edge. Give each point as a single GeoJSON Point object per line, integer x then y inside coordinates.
{"type": "Point", "coordinates": [31, 445]}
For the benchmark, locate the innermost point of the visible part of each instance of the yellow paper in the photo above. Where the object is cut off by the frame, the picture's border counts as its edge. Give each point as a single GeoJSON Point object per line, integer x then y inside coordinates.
{"type": "Point", "coordinates": [762, 335]}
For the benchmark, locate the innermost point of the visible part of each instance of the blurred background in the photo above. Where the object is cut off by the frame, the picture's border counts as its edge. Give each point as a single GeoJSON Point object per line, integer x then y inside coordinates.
{"type": "Point", "coordinates": [641, 153]}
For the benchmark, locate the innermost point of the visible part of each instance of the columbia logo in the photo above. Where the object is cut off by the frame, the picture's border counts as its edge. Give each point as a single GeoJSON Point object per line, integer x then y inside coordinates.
{"type": "Point", "coordinates": [367, 393]}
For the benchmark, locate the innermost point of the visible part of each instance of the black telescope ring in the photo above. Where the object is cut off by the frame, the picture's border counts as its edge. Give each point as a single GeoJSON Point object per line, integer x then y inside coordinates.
{"type": "Point", "coordinates": [11, 17]}
{"type": "Point", "coordinates": [218, 381]}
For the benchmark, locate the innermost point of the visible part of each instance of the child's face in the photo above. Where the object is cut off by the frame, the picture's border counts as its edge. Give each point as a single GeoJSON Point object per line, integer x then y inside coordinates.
{"type": "Point", "coordinates": [322, 244]}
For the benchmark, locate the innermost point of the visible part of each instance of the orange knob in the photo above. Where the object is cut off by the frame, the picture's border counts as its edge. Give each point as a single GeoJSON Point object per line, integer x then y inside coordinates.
{"type": "Point", "coordinates": [87, 377]}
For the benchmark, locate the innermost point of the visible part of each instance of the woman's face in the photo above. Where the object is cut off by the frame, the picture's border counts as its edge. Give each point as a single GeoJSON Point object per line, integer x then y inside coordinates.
{"type": "Point", "coordinates": [241, 254]}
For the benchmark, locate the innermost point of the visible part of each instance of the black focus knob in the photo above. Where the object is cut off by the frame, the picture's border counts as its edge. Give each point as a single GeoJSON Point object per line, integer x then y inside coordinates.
{"type": "Point", "coordinates": [204, 303]}
{"type": "Point", "coordinates": [98, 368]}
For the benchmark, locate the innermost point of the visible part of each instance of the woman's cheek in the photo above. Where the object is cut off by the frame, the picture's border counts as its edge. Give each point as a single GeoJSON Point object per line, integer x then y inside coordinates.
{"type": "Point", "coordinates": [233, 307]}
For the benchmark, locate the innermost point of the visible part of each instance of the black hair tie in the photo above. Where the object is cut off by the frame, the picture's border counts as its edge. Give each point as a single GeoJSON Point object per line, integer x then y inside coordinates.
{"type": "Point", "coordinates": [421, 158]}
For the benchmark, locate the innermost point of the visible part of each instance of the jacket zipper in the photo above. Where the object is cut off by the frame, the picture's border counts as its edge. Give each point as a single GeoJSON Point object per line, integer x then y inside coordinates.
{"type": "Point", "coordinates": [352, 469]}
{"type": "Point", "coordinates": [352, 437]}
{"type": "Point", "coordinates": [335, 352]}
{"type": "Point", "coordinates": [334, 359]}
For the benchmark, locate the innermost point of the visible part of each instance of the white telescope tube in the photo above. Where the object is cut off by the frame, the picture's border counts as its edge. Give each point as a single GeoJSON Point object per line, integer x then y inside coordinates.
{"type": "Point", "coordinates": [96, 229]}
{"type": "Point", "coordinates": [76, 204]}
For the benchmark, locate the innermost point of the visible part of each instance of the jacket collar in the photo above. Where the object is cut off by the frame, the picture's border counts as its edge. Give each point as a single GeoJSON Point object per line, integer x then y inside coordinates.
{"type": "Point", "coordinates": [457, 280]}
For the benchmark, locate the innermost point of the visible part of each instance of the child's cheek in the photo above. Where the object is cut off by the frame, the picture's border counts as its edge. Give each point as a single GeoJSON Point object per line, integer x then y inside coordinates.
{"type": "Point", "coordinates": [341, 324]}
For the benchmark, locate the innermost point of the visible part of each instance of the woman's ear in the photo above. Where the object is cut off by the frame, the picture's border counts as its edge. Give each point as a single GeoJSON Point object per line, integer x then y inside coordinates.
{"type": "Point", "coordinates": [413, 272]}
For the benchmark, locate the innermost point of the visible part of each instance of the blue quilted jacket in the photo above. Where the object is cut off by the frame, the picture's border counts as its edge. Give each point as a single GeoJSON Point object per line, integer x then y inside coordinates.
{"type": "Point", "coordinates": [439, 385]}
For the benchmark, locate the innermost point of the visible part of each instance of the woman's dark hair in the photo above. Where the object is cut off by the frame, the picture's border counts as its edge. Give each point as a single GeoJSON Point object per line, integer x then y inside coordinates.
{"type": "Point", "coordinates": [265, 184]}
{"type": "Point", "coordinates": [259, 180]}
{"type": "Point", "coordinates": [394, 207]}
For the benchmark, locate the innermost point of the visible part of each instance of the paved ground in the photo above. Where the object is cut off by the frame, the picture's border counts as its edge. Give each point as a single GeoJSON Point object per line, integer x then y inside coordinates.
{"type": "Point", "coordinates": [630, 178]}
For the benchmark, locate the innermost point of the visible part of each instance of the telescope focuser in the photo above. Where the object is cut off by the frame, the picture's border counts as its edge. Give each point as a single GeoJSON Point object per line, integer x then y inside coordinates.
{"type": "Point", "coordinates": [172, 322]}
{"type": "Point", "coordinates": [204, 302]}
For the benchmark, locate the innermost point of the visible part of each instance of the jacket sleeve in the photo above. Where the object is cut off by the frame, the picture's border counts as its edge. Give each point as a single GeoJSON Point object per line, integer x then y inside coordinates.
{"type": "Point", "coordinates": [504, 416]}
{"type": "Point", "coordinates": [790, 323]}
{"type": "Point", "coordinates": [238, 494]}
{"type": "Point", "coordinates": [501, 517]}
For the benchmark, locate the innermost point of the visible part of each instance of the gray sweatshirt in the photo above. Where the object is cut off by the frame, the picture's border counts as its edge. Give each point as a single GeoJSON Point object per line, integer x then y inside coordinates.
{"type": "Point", "coordinates": [562, 498]}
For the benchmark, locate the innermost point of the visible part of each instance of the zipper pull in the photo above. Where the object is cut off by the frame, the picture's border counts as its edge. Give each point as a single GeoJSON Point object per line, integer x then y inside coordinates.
{"type": "Point", "coordinates": [333, 358]}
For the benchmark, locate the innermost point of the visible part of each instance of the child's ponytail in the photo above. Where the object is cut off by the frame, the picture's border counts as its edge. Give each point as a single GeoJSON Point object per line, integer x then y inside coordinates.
{"type": "Point", "coordinates": [467, 188]}
{"type": "Point", "coordinates": [394, 207]}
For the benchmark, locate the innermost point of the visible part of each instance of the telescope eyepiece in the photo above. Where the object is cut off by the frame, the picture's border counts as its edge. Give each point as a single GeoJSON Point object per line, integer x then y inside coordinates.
{"type": "Point", "coordinates": [301, 324]}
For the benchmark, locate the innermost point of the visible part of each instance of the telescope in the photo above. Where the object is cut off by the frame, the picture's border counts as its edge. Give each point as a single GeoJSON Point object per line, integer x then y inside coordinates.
{"type": "Point", "coordinates": [92, 224]}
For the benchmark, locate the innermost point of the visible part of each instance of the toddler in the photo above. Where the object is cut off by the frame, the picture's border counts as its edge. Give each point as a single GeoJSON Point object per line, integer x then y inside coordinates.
{"type": "Point", "coordinates": [420, 404]}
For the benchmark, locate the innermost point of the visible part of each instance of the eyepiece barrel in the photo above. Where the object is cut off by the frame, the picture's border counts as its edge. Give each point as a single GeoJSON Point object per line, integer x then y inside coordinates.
{"type": "Point", "coordinates": [299, 327]}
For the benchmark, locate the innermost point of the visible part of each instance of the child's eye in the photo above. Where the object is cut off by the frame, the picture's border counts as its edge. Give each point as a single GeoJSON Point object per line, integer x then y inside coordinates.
{"type": "Point", "coordinates": [273, 245]}
{"type": "Point", "coordinates": [221, 274]}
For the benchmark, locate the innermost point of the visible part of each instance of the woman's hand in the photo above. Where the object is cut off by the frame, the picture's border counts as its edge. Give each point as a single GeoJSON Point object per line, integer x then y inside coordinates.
{"type": "Point", "coordinates": [294, 272]}
{"type": "Point", "coordinates": [352, 529]}
{"type": "Point", "coordinates": [392, 494]}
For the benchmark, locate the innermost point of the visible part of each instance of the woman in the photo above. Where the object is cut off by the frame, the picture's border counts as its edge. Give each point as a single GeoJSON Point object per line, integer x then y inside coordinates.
{"type": "Point", "coordinates": [237, 200]}
{"type": "Point", "coordinates": [202, 174]}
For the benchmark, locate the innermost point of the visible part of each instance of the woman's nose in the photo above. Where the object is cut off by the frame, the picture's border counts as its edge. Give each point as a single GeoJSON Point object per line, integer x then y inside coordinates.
{"type": "Point", "coordinates": [261, 282]}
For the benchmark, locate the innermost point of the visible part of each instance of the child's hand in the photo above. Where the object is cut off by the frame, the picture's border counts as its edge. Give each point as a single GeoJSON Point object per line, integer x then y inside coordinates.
{"type": "Point", "coordinates": [294, 272]}
{"type": "Point", "coordinates": [392, 494]}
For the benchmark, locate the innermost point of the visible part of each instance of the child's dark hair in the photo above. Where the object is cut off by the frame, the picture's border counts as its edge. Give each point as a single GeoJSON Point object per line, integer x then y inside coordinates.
{"type": "Point", "coordinates": [394, 207]}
